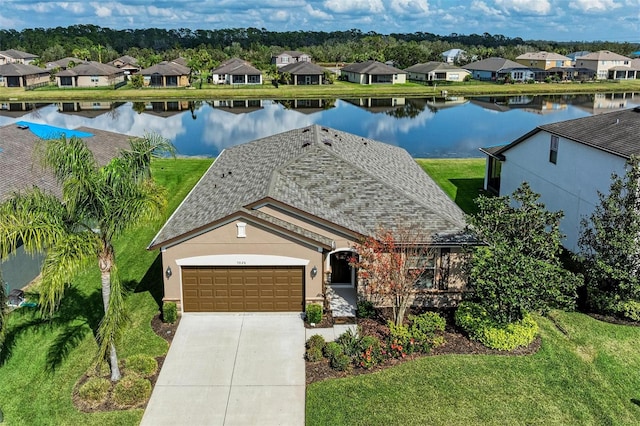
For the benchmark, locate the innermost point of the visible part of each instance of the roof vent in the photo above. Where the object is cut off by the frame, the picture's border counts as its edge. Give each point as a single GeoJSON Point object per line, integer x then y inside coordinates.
{"type": "Point", "coordinates": [636, 109]}
{"type": "Point", "coordinates": [327, 142]}
{"type": "Point", "coordinates": [365, 142]}
{"type": "Point", "coordinates": [324, 129]}
{"type": "Point", "coordinates": [306, 144]}
{"type": "Point", "coordinates": [306, 130]}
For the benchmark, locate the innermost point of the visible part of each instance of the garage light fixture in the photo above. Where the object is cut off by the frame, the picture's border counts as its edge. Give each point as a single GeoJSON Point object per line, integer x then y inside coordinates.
{"type": "Point", "coordinates": [168, 272]}
{"type": "Point", "coordinates": [314, 271]}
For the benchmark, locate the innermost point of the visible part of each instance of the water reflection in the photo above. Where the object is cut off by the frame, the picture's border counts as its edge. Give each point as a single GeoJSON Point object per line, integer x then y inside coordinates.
{"type": "Point", "coordinates": [426, 127]}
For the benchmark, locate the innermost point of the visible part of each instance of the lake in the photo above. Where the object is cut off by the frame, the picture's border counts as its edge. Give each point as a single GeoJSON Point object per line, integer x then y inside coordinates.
{"type": "Point", "coordinates": [426, 127]}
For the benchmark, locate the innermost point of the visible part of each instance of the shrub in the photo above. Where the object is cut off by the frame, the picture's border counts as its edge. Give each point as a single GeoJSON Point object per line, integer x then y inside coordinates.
{"type": "Point", "coordinates": [341, 362]}
{"type": "Point", "coordinates": [400, 341]}
{"type": "Point", "coordinates": [475, 321]}
{"type": "Point", "coordinates": [169, 312]}
{"type": "Point", "coordinates": [142, 365]}
{"type": "Point", "coordinates": [314, 313]}
{"type": "Point", "coordinates": [315, 341]}
{"type": "Point", "coordinates": [349, 342]}
{"type": "Point", "coordinates": [365, 309]}
{"type": "Point", "coordinates": [630, 310]}
{"type": "Point", "coordinates": [369, 352]}
{"type": "Point", "coordinates": [131, 390]}
{"type": "Point", "coordinates": [424, 329]}
{"type": "Point", "coordinates": [101, 369]}
{"type": "Point", "coordinates": [95, 390]}
{"type": "Point", "coordinates": [313, 354]}
{"type": "Point", "coordinates": [332, 350]}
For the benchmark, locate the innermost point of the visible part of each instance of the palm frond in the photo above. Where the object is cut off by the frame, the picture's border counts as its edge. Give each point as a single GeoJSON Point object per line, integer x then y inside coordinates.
{"type": "Point", "coordinates": [64, 259]}
{"type": "Point", "coordinates": [66, 157]}
{"type": "Point", "coordinates": [143, 149]}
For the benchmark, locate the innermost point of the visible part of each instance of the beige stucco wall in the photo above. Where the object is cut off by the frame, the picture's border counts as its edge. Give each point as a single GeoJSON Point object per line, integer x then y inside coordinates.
{"type": "Point", "coordinates": [37, 79]}
{"type": "Point", "coordinates": [103, 80]}
{"type": "Point", "coordinates": [258, 241]}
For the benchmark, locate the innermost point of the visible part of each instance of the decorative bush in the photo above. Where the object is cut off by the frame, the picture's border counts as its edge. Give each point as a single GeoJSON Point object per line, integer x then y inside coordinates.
{"type": "Point", "coordinates": [401, 342]}
{"type": "Point", "coordinates": [424, 329]}
{"type": "Point", "coordinates": [475, 321]}
{"type": "Point", "coordinates": [169, 312]}
{"type": "Point", "coordinates": [630, 310]}
{"type": "Point", "coordinates": [314, 313]}
{"type": "Point", "coordinates": [131, 390]}
{"type": "Point", "coordinates": [101, 369]}
{"type": "Point", "coordinates": [369, 352]}
{"type": "Point", "coordinates": [365, 309]}
{"type": "Point", "coordinates": [95, 390]}
{"type": "Point", "coordinates": [313, 354]}
{"type": "Point", "coordinates": [341, 362]}
{"type": "Point", "coordinates": [142, 365]}
{"type": "Point", "coordinates": [349, 342]}
{"type": "Point", "coordinates": [332, 350]}
{"type": "Point", "coordinates": [315, 341]}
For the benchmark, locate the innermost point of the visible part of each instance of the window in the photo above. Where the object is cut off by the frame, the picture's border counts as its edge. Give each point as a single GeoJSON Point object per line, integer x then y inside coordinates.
{"type": "Point", "coordinates": [553, 149]}
{"type": "Point", "coordinates": [94, 79]}
{"type": "Point", "coordinates": [426, 266]}
{"type": "Point", "coordinates": [285, 59]}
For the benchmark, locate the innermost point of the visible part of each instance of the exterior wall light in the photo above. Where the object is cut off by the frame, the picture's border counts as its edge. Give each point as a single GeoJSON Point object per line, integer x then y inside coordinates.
{"type": "Point", "coordinates": [168, 272]}
{"type": "Point", "coordinates": [314, 271]}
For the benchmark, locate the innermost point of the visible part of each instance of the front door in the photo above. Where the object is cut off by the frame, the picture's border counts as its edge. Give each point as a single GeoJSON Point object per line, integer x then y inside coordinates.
{"type": "Point", "coordinates": [341, 271]}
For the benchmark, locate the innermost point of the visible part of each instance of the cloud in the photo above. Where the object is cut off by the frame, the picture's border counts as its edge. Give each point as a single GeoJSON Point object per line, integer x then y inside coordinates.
{"type": "Point", "coordinates": [317, 13]}
{"type": "Point", "coordinates": [347, 6]}
{"type": "Point", "coordinates": [594, 5]}
{"type": "Point", "coordinates": [484, 9]}
{"type": "Point", "coordinates": [410, 7]}
{"type": "Point", "coordinates": [539, 7]}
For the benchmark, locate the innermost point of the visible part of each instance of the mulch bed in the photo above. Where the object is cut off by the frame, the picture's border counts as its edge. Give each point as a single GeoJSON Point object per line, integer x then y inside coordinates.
{"type": "Point", "coordinates": [164, 330]}
{"type": "Point", "coordinates": [455, 343]}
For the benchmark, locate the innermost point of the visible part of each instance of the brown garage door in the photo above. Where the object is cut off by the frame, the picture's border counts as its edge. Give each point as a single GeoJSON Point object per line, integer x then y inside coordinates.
{"type": "Point", "coordinates": [242, 289]}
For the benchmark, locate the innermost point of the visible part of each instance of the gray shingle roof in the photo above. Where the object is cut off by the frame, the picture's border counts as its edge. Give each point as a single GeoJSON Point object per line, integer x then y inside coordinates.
{"type": "Point", "coordinates": [17, 54]}
{"type": "Point", "coordinates": [17, 70]}
{"type": "Point", "coordinates": [492, 64]}
{"type": "Point", "coordinates": [353, 182]}
{"type": "Point", "coordinates": [604, 55]}
{"type": "Point", "coordinates": [433, 66]}
{"type": "Point", "coordinates": [302, 68]}
{"type": "Point", "coordinates": [237, 67]}
{"type": "Point", "coordinates": [89, 69]}
{"type": "Point", "coordinates": [19, 170]}
{"type": "Point", "coordinates": [166, 68]}
{"type": "Point", "coordinates": [372, 68]}
{"type": "Point", "coordinates": [615, 132]}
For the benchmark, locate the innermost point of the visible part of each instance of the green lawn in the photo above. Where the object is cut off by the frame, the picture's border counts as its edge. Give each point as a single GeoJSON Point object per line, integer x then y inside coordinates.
{"type": "Point", "coordinates": [461, 178]}
{"type": "Point", "coordinates": [41, 360]}
{"type": "Point", "coordinates": [339, 89]}
{"type": "Point", "coordinates": [588, 376]}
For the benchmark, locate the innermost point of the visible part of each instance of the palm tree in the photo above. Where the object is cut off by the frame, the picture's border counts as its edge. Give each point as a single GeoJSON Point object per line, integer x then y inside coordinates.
{"type": "Point", "coordinates": [98, 204]}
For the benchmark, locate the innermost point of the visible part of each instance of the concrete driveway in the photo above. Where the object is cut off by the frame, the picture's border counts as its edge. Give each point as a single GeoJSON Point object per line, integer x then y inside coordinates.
{"type": "Point", "coordinates": [232, 369]}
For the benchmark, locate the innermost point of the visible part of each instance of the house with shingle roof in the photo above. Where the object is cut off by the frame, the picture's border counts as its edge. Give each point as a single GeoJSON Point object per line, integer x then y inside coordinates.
{"type": "Point", "coordinates": [64, 63]}
{"type": "Point", "coordinates": [20, 171]}
{"type": "Point", "coordinates": [13, 56]}
{"type": "Point", "coordinates": [302, 73]}
{"type": "Point", "coordinates": [167, 74]}
{"type": "Point", "coordinates": [490, 69]}
{"type": "Point", "coordinates": [568, 163]}
{"type": "Point", "coordinates": [236, 71]}
{"type": "Point", "coordinates": [373, 72]}
{"type": "Point", "coordinates": [127, 63]}
{"type": "Point", "coordinates": [544, 60]}
{"type": "Point", "coordinates": [608, 65]}
{"type": "Point", "coordinates": [272, 224]}
{"type": "Point", "coordinates": [16, 74]}
{"type": "Point", "coordinates": [289, 57]}
{"type": "Point", "coordinates": [90, 74]}
{"type": "Point", "coordinates": [436, 71]}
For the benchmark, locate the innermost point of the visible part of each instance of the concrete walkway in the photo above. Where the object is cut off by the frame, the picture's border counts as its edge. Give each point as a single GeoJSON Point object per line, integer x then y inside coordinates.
{"type": "Point", "coordinates": [232, 369]}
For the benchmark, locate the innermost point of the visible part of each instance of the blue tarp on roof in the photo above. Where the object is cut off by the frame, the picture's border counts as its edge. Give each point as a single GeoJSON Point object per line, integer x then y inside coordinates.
{"type": "Point", "coordinates": [45, 131]}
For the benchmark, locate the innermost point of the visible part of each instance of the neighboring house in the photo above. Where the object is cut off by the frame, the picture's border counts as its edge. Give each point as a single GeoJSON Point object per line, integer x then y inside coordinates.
{"type": "Point", "coordinates": [237, 106]}
{"type": "Point", "coordinates": [90, 74]}
{"type": "Point", "coordinates": [521, 74]}
{"type": "Point", "coordinates": [302, 73]}
{"type": "Point", "coordinates": [608, 65]}
{"type": "Point", "coordinates": [272, 224]}
{"type": "Point", "coordinates": [20, 170]}
{"type": "Point", "coordinates": [373, 72]}
{"type": "Point", "coordinates": [236, 71]}
{"type": "Point", "coordinates": [490, 68]}
{"type": "Point", "coordinates": [22, 75]}
{"type": "Point", "coordinates": [64, 63]}
{"type": "Point", "coordinates": [544, 60]}
{"type": "Point", "coordinates": [568, 163]}
{"type": "Point", "coordinates": [167, 74]}
{"type": "Point", "coordinates": [289, 57]}
{"type": "Point", "coordinates": [127, 63]}
{"type": "Point", "coordinates": [13, 56]}
{"type": "Point", "coordinates": [453, 55]}
{"type": "Point", "coordinates": [576, 55]}
{"type": "Point", "coordinates": [88, 109]}
{"type": "Point", "coordinates": [436, 71]}
{"type": "Point", "coordinates": [377, 105]}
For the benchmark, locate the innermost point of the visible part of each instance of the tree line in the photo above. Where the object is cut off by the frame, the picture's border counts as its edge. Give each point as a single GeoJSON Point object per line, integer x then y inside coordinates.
{"type": "Point", "coordinates": [257, 45]}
